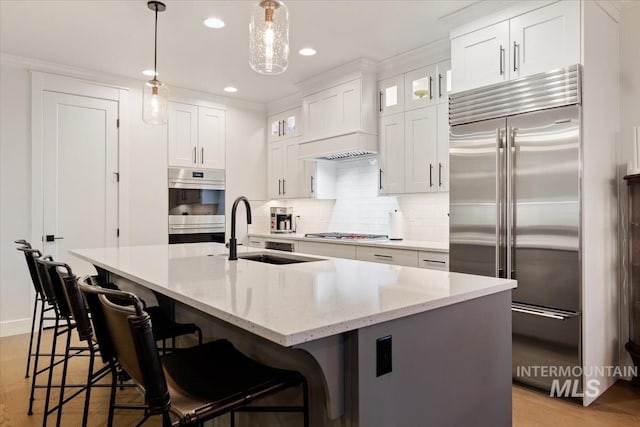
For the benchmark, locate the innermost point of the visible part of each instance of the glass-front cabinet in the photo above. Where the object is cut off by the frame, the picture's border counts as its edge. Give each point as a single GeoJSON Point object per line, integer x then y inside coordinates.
{"type": "Point", "coordinates": [420, 87]}
{"type": "Point", "coordinates": [391, 95]}
{"type": "Point", "coordinates": [284, 125]}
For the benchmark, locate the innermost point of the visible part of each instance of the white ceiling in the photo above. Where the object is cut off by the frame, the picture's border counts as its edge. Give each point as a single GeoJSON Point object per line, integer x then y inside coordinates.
{"type": "Point", "coordinates": [116, 37]}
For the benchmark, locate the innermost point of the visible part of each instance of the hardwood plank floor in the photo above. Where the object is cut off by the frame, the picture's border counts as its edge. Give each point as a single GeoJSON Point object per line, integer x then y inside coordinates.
{"type": "Point", "coordinates": [618, 407]}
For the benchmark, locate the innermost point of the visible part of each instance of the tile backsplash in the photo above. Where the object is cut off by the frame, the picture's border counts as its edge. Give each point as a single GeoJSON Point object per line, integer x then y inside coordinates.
{"type": "Point", "coordinates": [358, 209]}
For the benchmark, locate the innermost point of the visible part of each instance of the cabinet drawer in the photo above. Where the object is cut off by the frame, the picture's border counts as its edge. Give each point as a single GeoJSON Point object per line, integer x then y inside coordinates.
{"type": "Point", "coordinates": [327, 249]}
{"type": "Point", "coordinates": [388, 256]}
{"type": "Point", "coordinates": [255, 242]}
{"type": "Point", "coordinates": [433, 260]}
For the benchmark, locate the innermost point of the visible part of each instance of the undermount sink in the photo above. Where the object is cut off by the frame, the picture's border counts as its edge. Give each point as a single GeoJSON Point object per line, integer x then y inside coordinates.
{"type": "Point", "coordinates": [278, 259]}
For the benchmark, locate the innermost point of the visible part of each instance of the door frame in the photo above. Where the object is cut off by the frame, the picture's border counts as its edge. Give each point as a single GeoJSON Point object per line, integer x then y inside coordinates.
{"type": "Point", "coordinates": [41, 82]}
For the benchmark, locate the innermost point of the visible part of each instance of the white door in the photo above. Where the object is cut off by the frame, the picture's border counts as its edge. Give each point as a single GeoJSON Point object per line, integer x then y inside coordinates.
{"type": "Point", "coordinates": [421, 148]}
{"type": "Point", "coordinates": [443, 147]}
{"type": "Point", "coordinates": [545, 39]}
{"type": "Point", "coordinates": [480, 58]}
{"type": "Point", "coordinates": [391, 157]}
{"type": "Point", "coordinates": [183, 135]}
{"type": "Point", "coordinates": [80, 185]}
{"type": "Point", "coordinates": [421, 87]}
{"type": "Point", "coordinates": [211, 138]}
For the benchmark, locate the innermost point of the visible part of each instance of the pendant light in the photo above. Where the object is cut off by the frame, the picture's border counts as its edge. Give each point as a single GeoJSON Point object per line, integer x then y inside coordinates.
{"type": "Point", "coordinates": [269, 37]}
{"type": "Point", "coordinates": [155, 95]}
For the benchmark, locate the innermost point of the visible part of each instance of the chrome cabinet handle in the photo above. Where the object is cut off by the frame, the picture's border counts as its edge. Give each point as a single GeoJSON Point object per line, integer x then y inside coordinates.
{"type": "Point", "coordinates": [202, 155]}
{"type": "Point", "coordinates": [439, 85]}
{"type": "Point", "coordinates": [383, 256]}
{"type": "Point", "coordinates": [194, 156]}
{"type": "Point", "coordinates": [381, 101]}
{"type": "Point", "coordinates": [380, 179]}
{"type": "Point", "coordinates": [430, 175]}
{"type": "Point", "coordinates": [541, 313]}
{"type": "Point", "coordinates": [430, 84]}
{"type": "Point", "coordinates": [439, 174]}
{"type": "Point", "coordinates": [501, 60]}
{"type": "Point", "coordinates": [284, 132]}
{"type": "Point", "coordinates": [311, 184]}
{"type": "Point", "coordinates": [516, 53]}
{"type": "Point", "coordinates": [279, 184]}
{"type": "Point", "coordinates": [283, 190]}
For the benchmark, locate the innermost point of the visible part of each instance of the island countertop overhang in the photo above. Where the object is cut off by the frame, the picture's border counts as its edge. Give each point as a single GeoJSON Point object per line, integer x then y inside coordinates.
{"type": "Point", "coordinates": [289, 304]}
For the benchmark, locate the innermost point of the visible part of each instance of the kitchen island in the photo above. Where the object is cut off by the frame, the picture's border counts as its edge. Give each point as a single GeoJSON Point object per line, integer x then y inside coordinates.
{"type": "Point", "coordinates": [381, 345]}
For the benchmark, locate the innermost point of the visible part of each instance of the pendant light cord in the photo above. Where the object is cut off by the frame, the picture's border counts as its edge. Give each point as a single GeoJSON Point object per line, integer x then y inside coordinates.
{"type": "Point", "coordinates": [155, 48]}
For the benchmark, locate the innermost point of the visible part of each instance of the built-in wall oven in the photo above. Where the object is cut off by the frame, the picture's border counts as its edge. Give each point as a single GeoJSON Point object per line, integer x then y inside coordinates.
{"type": "Point", "coordinates": [196, 205]}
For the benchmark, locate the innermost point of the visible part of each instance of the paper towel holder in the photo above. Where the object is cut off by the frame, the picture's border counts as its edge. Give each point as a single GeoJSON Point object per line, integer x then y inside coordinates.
{"type": "Point", "coordinates": [396, 225]}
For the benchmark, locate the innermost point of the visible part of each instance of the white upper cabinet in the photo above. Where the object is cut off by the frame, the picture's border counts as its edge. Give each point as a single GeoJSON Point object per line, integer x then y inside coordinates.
{"type": "Point", "coordinates": [211, 137]}
{"type": "Point", "coordinates": [537, 41]}
{"type": "Point", "coordinates": [480, 58]}
{"type": "Point", "coordinates": [443, 81]}
{"type": "Point", "coordinates": [421, 150]}
{"type": "Point", "coordinates": [196, 136]}
{"type": "Point", "coordinates": [331, 112]}
{"type": "Point", "coordinates": [284, 170]}
{"type": "Point", "coordinates": [421, 87]}
{"type": "Point", "coordinates": [545, 39]}
{"type": "Point", "coordinates": [183, 135]}
{"type": "Point", "coordinates": [391, 156]}
{"type": "Point", "coordinates": [319, 179]}
{"type": "Point", "coordinates": [284, 125]}
{"type": "Point", "coordinates": [391, 95]}
{"type": "Point", "coordinates": [443, 148]}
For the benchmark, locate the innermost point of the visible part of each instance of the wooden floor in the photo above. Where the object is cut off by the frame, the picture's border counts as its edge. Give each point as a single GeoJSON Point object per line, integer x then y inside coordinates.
{"type": "Point", "coordinates": [618, 407]}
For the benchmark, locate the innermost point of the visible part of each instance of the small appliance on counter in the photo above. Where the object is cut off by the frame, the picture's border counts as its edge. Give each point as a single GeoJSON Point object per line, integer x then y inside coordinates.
{"type": "Point", "coordinates": [282, 220]}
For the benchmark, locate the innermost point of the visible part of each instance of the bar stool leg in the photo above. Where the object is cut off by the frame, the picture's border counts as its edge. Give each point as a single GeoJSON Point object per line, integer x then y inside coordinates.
{"type": "Point", "coordinates": [35, 362]}
{"type": "Point", "coordinates": [232, 423]}
{"type": "Point", "coordinates": [87, 396]}
{"type": "Point", "coordinates": [52, 361]}
{"type": "Point", "coordinates": [63, 381]}
{"type": "Point", "coordinates": [112, 397]}
{"type": "Point", "coordinates": [33, 325]}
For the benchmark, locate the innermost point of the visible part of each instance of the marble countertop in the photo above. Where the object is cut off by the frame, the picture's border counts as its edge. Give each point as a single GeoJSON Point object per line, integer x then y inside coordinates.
{"type": "Point", "coordinates": [416, 245]}
{"type": "Point", "coordinates": [289, 304]}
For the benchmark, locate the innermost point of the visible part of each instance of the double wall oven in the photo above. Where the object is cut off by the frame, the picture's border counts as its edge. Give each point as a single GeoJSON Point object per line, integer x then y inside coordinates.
{"type": "Point", "coordinates": [196, 205]}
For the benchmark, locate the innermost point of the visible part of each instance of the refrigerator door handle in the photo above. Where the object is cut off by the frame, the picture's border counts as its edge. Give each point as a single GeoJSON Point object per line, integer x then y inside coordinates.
{"type": "Point", "coordinates": [535, 311]}
{"type": "Point", "coordinates": [511, 200]}
{"type": "Point", "coordinates": [499, 254]}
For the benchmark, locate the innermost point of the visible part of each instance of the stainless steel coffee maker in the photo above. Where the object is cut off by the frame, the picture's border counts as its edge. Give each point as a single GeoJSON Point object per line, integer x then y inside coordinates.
{"type": "Point", "coordinates": [282, 220]}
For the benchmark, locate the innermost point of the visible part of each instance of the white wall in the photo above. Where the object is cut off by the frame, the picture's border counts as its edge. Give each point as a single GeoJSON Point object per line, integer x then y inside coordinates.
{"type": "Point", "coordinates": [143, 170]}
{"type": "Point", "coordinates": [629, 117]}
{"type": "Point", "coordinates": [15, 200]}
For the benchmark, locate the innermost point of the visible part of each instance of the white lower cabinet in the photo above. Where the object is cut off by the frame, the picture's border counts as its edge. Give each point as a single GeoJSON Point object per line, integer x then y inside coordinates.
{"type": "Point", "coordinates": [255, 242]}
{"type": "Point", "coordinates": [403, 257]}
{"type": "Point", "coordinates": [327, 249]}
{"type": "Point", "coordinates": [433, 260]}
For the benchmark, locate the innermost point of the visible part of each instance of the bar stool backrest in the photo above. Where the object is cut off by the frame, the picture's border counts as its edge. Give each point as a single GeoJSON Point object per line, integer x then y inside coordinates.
{"type": "Point", "coordinates": [52, 285]}
{"type": "Point", "coordinates": [131, 334]}
{"type": "Point", "coordinates": [31, 255]}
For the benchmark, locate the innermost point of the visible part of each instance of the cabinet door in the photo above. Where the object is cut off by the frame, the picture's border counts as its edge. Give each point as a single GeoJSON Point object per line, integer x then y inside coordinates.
{"type": "Point", "coordinates": [313, 108]}
{"type": "Point", "coordinates": [183, 135]}
{"type": "Point", "coordinates": [421, 148]}
{"type": "Point", "coordinates": [480, 58]}
{"type": "Point", "coordinates": [276, 162]}
{"type": "Point", "coordinates": [274, 124]}
{"type": "Point", "coordinates": [308, 183]}
{"type": "Point", "coordinates": [545, 39]}
{"type": "Point", "coordinates": [327, 249]}
{"type": "Point", "coordinates": [433, 260]}
{"type": "Point", "coordinates": [443, 147]}
{"type": "Point", "coordinates": [290, 123]}
{"type": "Point", "coordinates": [350, 100]}
{"type": "Point", "coordinates": [211, 138]}
{"type": "Point", "coordinates": [404, 257]}
{"type": "Point", "coordinates": [443, 81]}
{"type": "Point", "coordinates": [421, 87]}
{"type": "Point", "coordinates": [391, 95]}
{"type": "Point", "coordinates": [291, 177]}
{"type": "Point", "coordinates": [391, 158]}
{"type": "Point", "coordinates": [333, 111]}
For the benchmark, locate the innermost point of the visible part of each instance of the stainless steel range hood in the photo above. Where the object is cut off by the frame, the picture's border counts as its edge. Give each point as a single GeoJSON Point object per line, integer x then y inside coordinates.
{"type": "Point", "coordinates": [339, 147]}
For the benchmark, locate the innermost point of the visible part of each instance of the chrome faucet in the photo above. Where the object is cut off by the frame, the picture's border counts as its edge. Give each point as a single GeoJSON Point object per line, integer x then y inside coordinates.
{"type": "Point", "coordinates": [233, 244]}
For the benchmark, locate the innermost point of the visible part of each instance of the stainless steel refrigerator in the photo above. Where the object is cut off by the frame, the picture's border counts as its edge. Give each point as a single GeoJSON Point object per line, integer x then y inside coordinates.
{"type": "Point", "coordinates": [515, 211]}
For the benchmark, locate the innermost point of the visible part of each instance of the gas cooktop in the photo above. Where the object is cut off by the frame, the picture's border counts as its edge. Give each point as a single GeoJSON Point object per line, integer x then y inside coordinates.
{"type": "Point", "coordinates": [347, 236]}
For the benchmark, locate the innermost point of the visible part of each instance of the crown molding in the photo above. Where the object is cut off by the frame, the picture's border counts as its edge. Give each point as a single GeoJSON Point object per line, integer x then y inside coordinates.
{"type": "Point", "coordinates": [436, 51]}
{"type": "Point", "coordinates": [338, 75]}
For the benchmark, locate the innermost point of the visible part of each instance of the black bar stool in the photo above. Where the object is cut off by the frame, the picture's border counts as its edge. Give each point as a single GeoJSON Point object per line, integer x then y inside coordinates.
{"type": "Point", "coordinates": [189, 386]}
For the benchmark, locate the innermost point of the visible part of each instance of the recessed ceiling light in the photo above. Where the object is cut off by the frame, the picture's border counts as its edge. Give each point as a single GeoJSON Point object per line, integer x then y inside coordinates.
{"type": "Point", "coordinates": [307, 51]}
{"type": "Point", "coordinates": [216, 23]}
{"type": "Point", "coordinates": [230, 89]}
{"type": "Point", "coordinates": [150, 73]}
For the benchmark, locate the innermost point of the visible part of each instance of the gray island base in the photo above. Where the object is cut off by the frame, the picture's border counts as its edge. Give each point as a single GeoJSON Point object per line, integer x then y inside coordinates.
{"type": "Point", "coordinates": [423, 348]}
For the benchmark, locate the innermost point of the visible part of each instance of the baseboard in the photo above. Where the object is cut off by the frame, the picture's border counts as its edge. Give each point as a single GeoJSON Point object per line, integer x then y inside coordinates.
{"type": "Point", "coordinates": [15, 327]}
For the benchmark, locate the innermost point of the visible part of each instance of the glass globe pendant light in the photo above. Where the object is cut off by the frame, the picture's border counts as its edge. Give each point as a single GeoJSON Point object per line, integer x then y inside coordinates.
{"type": "Point", "coordinates": [155, 95]}
{"type": "Point", "coordinates": [269, 37]}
